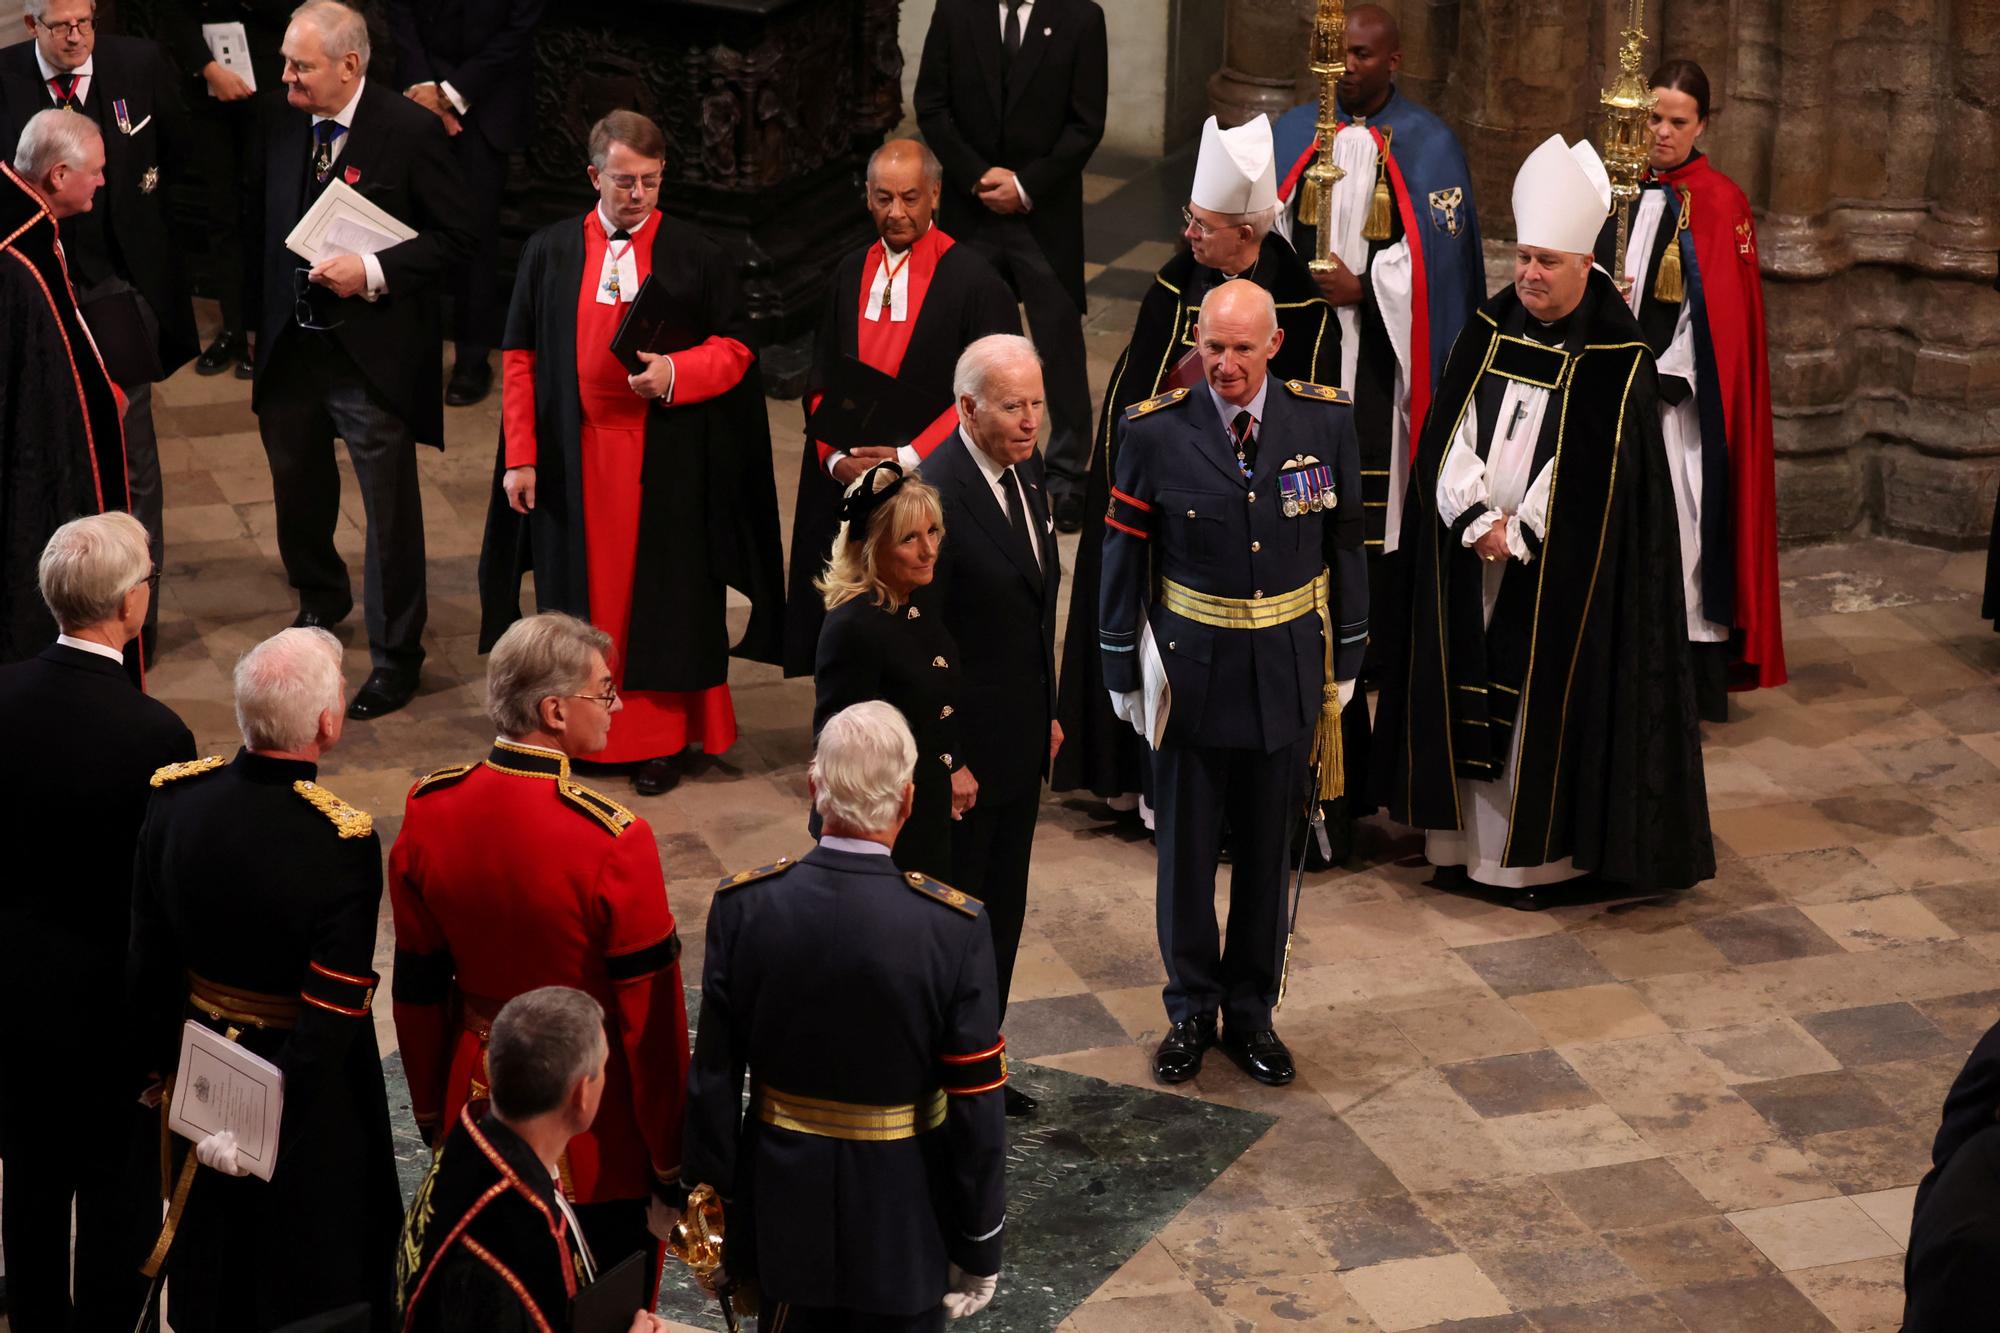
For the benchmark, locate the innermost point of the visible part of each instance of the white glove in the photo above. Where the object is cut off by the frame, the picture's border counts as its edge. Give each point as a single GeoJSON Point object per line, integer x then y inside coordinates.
{"type": "Point", "coordinates": [1131, 707]}
{"type": "Point", "coordinates": [1345, 690]}
{"type": "Point", "coordinates": [968, 1294]}
{"type": "Point", "coordinates": [218, 1153]}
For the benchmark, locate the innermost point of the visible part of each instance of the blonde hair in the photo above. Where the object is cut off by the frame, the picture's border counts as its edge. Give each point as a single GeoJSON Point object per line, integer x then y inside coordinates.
{"type": "Point", "coordinates": [853, 568]}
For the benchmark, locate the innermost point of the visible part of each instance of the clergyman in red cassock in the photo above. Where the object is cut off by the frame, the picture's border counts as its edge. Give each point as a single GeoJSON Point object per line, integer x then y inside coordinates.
{"type": "Point", "coordinates": [636, 499]}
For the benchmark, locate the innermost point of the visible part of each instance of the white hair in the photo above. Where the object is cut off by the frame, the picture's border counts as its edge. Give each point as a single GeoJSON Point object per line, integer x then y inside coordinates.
{"type": "Point", "coordinates": [863, 763]}
{"type": "Point", "coordinates": [89, 565]}
{"type": "Point", "coordinates": [284, 684]}
{"type": "Point", "coordinates": [52, 138]}
{"type": "Point", "coordinates": [981, 361]}
{"type": "Point", "coordinates": [342, 30]}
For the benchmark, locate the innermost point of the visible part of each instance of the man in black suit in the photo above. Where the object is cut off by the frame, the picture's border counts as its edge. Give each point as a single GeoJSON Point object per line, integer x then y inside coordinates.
{"type": "Point", "coordinates": [121, 256]}
{"type": "Point", "coordinates": [470, 63]}
{"type": "Point", "coordinates": [349, 345]}
{"type": "Point", "coordinates": [1011, 97]}
{"type": "Point", "coordinates": [95, 741]}
{"type": "Point", "coordinates": [998, 572]}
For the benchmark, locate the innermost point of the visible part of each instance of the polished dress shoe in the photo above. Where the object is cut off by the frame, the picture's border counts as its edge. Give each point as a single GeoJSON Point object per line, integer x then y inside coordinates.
{"type": "Point", "coordinates": [1018, 1102]}
{"type": "Point", "coordinates": [470, 381]}
{"type": "Point", "coordinates": [657, 777]}
{"type": "Point", "coordinates": [1178, 1058]}
{"type": "Point", "coordinates": [385, 691]}
{"type": "Point", "coordinates": [1067, 511]}
{"type": "Point", "coordinates": [1262, 1056]}
{"type": "Point", "coordinates": [246, 369]}
{"type": "Point", "coordinates": [308, 618]}
{"type": "Point", "coordinates": [228, 348]}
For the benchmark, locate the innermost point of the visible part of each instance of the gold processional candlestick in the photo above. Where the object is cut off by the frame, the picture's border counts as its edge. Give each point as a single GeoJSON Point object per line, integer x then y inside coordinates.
{"type": "Point", "coordinates": [1626, 104]}
{"type": "Point", "coordinates": [1329, 64]}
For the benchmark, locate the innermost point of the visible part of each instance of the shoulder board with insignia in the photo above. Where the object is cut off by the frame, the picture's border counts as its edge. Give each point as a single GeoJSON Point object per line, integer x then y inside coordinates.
{"type": "Point", "coordinates": [444, 777]}
{"type": "Point", "coordinates": [1324, 393]}
{"type": "Point", "coordinates": [188, 769]}
{"type": "Point", "coordinates": [350, 823]}
{"type": "Point", "coordinates": [742, 877]}
{"type": "Point", "coordinates": [1167, 399]}
{"type": "Point", "coordinates": [615, 817]}
{"type": "Point", "coordinates": [940, 892]}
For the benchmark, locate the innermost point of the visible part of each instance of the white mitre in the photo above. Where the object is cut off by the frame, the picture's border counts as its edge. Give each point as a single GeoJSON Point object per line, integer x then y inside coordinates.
{"type": "Point", "coordinates": [1561, 197]}
{"type": "Point", "coordinates": [1237, 170]}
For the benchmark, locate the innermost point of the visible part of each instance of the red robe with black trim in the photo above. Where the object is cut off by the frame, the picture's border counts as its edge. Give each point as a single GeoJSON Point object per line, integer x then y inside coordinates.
{"type": "Point", "coordinates": [508, 876]}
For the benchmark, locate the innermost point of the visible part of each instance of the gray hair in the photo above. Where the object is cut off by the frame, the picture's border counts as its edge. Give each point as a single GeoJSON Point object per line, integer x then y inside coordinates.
{"type": "Point", "coordinates": [982, 360]}
{"type": "Point", "coordinates": [864, 760]}
{"type": "Point", "coordinates": [284, 685]}
{"type": "Point", "coordinates": [544, 1042]}
{"type": "Point", "coordinates": [933, 169]}
{"type": "Point", "coordinates": [540, 656]}
{"type": "Point", "coordinates": [51, 138]}
{"type": "Point", "coordinates": [89, 565]}
{"type": "Point", "coordinates": [342, 30]}
{"type": "Point", "coordinates": [39, 9]}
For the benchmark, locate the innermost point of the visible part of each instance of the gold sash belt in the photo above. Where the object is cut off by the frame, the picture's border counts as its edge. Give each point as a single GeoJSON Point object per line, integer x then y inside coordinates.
{"type": "Point", "coordinates": [851, 1121]}
{"type": "Point", "coordinates": [1243, 612]}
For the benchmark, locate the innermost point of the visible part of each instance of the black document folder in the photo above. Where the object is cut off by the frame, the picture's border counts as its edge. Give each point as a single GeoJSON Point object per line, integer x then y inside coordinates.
{"type": "Point", "coordinates": [863, 407]}
{"type": "Point", "coordinates": [653, 323]}
{"type": "Point", "coordinates": [607, 1305]}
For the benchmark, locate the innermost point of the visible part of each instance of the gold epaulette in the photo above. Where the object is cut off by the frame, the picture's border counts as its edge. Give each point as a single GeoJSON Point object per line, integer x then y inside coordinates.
{"type": "Point", "coordinates": [940, 892]}
{"type": "Point", "coordinates": [741, 877]}
{"type": "Point", "coordinates": [1167, 399]}
{"type": "Point", "coordinates": [350, 823]}
{"type": "Point", "coordinates": [187, 769]}
{"type": "Point", "coordinates": [443, 777]}
{"type": "Point", "coordinates": [1325, 393]}
{"type": "Point", "coordinates": [615, 817]}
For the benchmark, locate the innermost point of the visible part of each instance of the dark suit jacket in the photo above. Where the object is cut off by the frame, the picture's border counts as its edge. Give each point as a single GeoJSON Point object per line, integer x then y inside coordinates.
{"type": "Point", "coordinates": [139, 168]}
{"type": "Point", "coordinates": [1041, 118]}
{"type": "Point", "coordinates": [1002, 613]}
{"type": "Point", "coordinates": [484, 50]}
{"type": "Point", "coordinates": [397, 157]}
{"type": "Point", "coordinates": [90, 743]}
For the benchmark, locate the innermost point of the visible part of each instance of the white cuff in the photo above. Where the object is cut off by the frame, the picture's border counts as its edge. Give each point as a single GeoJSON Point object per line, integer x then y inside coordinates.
{"type": "Point", "coordinates": [377, 284]}
{"type": "Point", "coordinates": [833, 461]}
{"type": "Point", "coordinates": [1027, 204]}
{"type": "Point", "coordinates": [673, 381]}
{"type": "Point", "coordinates": [1517, 545]}
{"type": "Point", "coordinates": [1479, 527]}
{"type": "Point", "coordinates": [458, 103]}
{"type": "Point", "coordinates": [907, 455]}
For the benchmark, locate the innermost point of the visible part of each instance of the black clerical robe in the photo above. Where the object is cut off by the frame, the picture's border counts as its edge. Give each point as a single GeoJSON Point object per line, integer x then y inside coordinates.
{"type": "Point", "coordinates": [1100, 753]}
{"type": "Point", "coordinates": [964, 302]}
{"type": "Point", "coordinates": [716, 454]}
{"type": "Point", "coordinates": [62, 448]}
{"type": "Point", "coordinates": [1586, 656]}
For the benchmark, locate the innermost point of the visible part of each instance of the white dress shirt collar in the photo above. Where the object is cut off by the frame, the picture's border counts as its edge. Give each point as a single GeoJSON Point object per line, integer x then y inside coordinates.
{"type": "Point", "coordinates": [611, 228]}
{"type": "Point", "coordinates": [1027, 12]}
{"type": "Point", "coordinates": [85, 645]}
{"type": "Point", "coordinates": [995, 474]}
{"type": "Point", "coordinates": [859, 846]}
{"type": "Point", "coordinates": [1228, 410]}
{"type": "Point", "coordinates": [345, 116]}
{"type": "Point", "coordinates": [82, 72]}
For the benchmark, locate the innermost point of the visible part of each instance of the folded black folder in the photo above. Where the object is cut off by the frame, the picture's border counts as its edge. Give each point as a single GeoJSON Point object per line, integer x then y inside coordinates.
{"type": "Point", "coordinates": [653, 323]}
{"type": "Point", "coordinates": [607, 1305]}
{"type": "Point", "coordinates": [861, 406]}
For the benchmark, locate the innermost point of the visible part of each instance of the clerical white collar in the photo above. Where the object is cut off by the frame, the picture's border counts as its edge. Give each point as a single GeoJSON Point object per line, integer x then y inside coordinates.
{"type": "Point", "coordinates": [893, 253]}
{"type": "Point", "coordinates": [49, 71]}
{"type": "Point", "coordinates": [85, 645]}
{"type": "Point", "coordinates": [343, 117]}
{"type": "Point", "coordinates": [611, 228]}
{"type": "Point", "coordinates": [859, 846]}
{"type": "Point", "coordinates": [1255, 407]}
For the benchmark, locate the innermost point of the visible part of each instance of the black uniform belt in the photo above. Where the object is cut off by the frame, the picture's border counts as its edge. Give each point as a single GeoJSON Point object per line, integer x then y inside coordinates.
{"type": "Point", "coordinates": [1243, 612]}
{"type": "Point", "coordinates": [248, 1008]}
{"type": "Point", "coordinates": [852, 1121]}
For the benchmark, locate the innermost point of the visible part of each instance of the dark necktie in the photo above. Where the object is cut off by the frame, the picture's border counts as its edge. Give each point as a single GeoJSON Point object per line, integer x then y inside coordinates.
{"type": "Point", "coordinates": [325, 135]}
{"type": "Point", "coordinates": [1243, 430]}
{"type": "Point", "coordinates": [1011, 42]}
{"type": "Point", "coordinates": [1017, 514]}
{"type": "Point", "coordinates": [64, 87]}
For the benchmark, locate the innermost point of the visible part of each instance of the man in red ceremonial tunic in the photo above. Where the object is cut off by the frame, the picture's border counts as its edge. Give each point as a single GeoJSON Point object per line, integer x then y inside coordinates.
{"type": "Point", "coordinates": [907, 305]}
{"type": "Point", "coordinates": [636, 499]}
{"type": "Point", "coordinates": [508, 875]}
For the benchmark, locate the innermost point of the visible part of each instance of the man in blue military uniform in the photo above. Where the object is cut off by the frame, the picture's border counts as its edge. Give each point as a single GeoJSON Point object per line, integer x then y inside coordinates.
{"type": "Point", "coordinates": [865, 1187]}
{"type": "Point", "coordinates": [1244, 496]}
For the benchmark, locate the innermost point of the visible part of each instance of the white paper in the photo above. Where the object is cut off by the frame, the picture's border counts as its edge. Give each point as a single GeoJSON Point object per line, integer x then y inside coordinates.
{"type": "Point", "coordinates": [222, 1086]}
{"type": "Point", "coordinates": [341, 223]}
{"type": "Point", "coordinates": [1153, 684]}
{"type": "Point", "coordinates": [230, 46]}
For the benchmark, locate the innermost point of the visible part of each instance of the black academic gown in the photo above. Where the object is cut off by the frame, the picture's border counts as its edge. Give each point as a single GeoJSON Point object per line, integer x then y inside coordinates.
{"type": "Point", "coordinates": [1100, 753]}
{"type": "Point", "coordinates": [1587, 656]}
{"type": "Point", "coordinates": [710, 498]}
{"type": "Point", "coordinates": [62, 448]}
{"type": "Point", "coordinates": [965, 302]}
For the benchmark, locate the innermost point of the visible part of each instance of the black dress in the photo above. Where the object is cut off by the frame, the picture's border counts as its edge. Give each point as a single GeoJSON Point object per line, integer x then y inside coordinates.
{"type": "Point", "coordinates": [906, 658]}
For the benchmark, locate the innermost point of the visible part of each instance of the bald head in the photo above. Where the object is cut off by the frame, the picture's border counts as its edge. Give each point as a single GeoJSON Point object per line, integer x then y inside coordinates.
{"type": "Point", "coordinates": [1237, 334]}
{"type": "Point", "coordinates": [904, 180]}
{"type": "Point", "coordinates": [1376, 25]}
{"type": "Point", "coordinates": [1374, 54]}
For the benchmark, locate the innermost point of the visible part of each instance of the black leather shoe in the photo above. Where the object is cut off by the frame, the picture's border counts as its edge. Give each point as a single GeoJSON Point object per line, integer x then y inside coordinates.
{"type": "Point", "coordinates": [228, 348]}
{"type": "Point", "coordinates": [385, 691]}
{"type": "Point", "coordinates": [657, 777]}
{"type": "Point", "coordinates": [246, 369]}
{"type": "Point", "coordinates": [1262, 1056]}
{"type": "Point", "coordinates": [309, 618]}
{"type": "Point", "coordinates": [470, 381]}
{"type": "Point", "coordinates": [1018, 1102]}
{"type": "Point", "coordinates": [1178, 1058]}
{"type": "Point", "coordinates": [1067, 511]}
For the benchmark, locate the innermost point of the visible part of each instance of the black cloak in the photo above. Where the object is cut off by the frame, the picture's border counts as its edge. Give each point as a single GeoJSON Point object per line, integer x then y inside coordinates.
{"type": "Point", "coordinates": [710, 512]}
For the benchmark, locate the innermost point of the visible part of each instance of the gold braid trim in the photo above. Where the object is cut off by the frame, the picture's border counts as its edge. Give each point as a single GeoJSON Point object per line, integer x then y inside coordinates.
{"type": "Point", "coordinates": [350, 822]}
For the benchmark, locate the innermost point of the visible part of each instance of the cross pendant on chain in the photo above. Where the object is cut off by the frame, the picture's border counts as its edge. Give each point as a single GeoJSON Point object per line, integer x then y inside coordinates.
{"type": "Point", "coordinates": [1520, 410]}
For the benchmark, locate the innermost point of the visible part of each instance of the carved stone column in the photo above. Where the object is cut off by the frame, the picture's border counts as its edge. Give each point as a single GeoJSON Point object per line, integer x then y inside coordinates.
{"type": "Point", "coordinates": [1263, 59]}
{"type": "Point", "coordinates": [1524, 70]}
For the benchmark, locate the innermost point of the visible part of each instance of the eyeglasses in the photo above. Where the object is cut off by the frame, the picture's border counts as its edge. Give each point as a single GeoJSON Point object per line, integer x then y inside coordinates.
{"type": "Point", "coordinates": [1203, 229]}
{"type": "Point", "coordinates": [625, 184]}
{"type": "Point", "coordinates": [607, 700]}
{"type": "Point", "coordinates": [73, 28]}
{"type": "Point", "coordinates": [302, 304]}
{"type": "Point", "coordinates": [152, 581]}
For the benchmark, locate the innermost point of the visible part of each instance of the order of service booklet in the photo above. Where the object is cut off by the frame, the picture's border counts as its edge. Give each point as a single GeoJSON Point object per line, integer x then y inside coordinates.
{"type": "Point", "coordinates": [222, 1086]}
